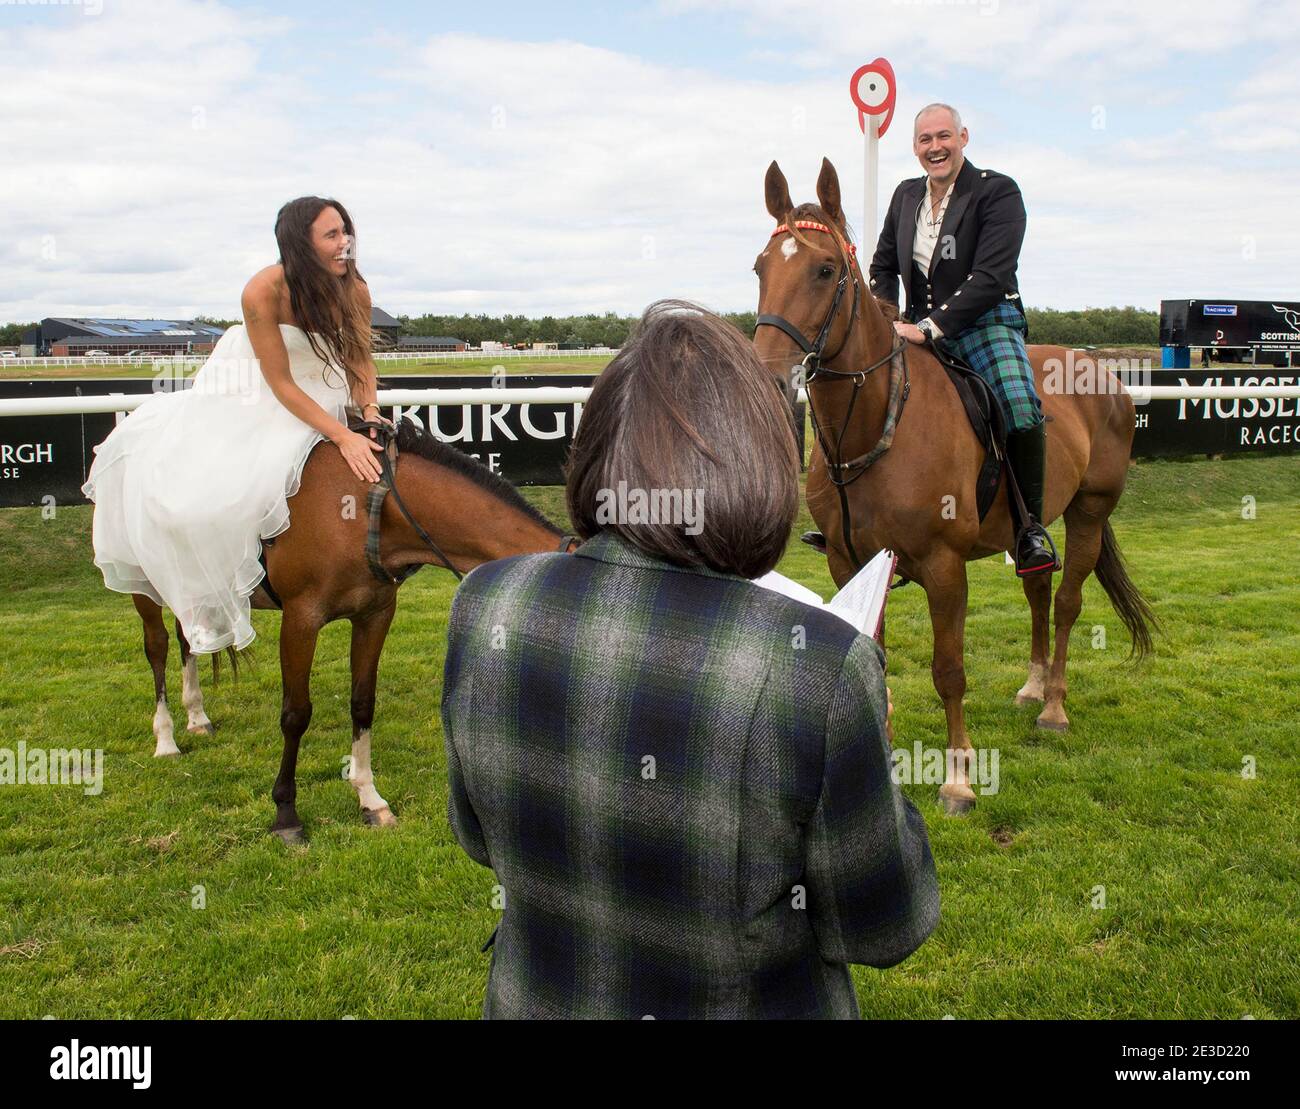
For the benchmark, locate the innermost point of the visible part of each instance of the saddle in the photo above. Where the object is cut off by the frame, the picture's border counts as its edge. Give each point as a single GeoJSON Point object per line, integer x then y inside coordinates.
{"type": "Point", "coordinates": [985, 415]}
{"type": "Point", "coordinates": [375, 497]}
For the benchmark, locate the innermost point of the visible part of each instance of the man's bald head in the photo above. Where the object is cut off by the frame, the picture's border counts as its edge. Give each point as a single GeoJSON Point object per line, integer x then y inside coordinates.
{"type": "Point", "coordinates": [937, 107]}
{"type": "Point", "coordinates": [938, 139]}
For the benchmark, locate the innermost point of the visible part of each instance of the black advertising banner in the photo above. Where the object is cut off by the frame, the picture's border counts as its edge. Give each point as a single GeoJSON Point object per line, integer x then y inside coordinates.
{"type": "Point", "coordinates": [1269, 325]}
{"type": "Point", "coordinates": [525, 443]}
{"type": "Point", "coordinates": [1168, 428]}
{"type": "Point", "coordinates": [44, 459]}
{"type": "Point", "coordinates": [49, 456]}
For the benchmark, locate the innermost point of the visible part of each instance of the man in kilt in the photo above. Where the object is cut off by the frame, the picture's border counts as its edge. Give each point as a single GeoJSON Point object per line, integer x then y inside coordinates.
{"type": "Point", "coordinates": [953, 237]}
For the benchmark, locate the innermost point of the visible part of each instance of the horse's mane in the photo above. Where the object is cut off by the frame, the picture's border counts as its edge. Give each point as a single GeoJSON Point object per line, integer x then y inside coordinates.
{"type": "Point", "coordinates": [413, 439]}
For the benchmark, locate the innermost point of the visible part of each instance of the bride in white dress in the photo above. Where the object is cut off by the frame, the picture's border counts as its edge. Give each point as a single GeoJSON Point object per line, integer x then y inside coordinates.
{"type": "Point", "coordinates": [191, 482]}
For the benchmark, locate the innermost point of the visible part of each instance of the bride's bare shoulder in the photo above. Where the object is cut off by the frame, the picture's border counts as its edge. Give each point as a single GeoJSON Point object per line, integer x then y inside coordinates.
{"type": "Point", "coordinates": [264, 294]}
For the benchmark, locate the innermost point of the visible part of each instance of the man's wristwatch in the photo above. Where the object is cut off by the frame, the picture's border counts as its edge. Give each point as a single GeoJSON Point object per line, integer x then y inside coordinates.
{"type": "Point", "coordinates": [926, 326]}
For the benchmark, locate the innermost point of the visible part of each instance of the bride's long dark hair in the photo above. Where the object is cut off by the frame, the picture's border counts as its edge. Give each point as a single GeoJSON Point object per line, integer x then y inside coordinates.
{"type": "Point", "coordinates": [323, 303]}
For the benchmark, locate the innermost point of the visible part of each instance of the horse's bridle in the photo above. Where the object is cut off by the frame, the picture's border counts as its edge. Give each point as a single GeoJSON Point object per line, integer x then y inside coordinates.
{"type": "Point", "coordinates": [841, 473]}
{"type": "Point", "coordinates": [386, 434]}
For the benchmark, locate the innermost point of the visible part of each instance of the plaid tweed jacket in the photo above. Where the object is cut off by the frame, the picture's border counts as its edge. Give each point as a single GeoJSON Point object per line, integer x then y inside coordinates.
{"type": "Point", "coordinates": [682, 783]}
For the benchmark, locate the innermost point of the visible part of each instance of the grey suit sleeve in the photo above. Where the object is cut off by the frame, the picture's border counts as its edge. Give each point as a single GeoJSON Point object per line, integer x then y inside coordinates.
{"type": "Point", "coordinates": [873, 894]}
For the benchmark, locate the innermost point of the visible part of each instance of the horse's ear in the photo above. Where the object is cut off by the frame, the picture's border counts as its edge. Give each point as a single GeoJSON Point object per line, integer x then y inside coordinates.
{"type": "Point", "coordinates": [828, 192]}
{"type": "Point", "coordinates": [778, 193]}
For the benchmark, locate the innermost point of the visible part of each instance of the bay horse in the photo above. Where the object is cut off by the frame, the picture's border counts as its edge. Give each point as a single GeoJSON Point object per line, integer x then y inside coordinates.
{"type": "Point", "coordinates": [918, 497]}
{"type": "Point", "coordinates": [319, 571]}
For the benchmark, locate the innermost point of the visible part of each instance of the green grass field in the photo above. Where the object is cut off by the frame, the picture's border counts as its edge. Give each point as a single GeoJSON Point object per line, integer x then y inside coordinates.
{"type": "Point", "coordinates": [1145, 796]}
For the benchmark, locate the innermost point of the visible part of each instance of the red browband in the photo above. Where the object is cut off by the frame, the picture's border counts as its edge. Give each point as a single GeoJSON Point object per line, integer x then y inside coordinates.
{"type": "Point", "coordinates": [812, 225]}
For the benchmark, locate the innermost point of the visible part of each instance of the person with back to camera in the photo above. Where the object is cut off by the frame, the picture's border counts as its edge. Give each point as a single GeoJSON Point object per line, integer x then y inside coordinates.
{"type": "Point", "coordinates": [681, 780]}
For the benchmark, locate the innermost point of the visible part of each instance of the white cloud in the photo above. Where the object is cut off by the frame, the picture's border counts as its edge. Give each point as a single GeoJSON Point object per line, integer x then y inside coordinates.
{"type": "Point", "coordinates": [494, 175]}
{"type": "Point", "coordinates": [1028, 36]}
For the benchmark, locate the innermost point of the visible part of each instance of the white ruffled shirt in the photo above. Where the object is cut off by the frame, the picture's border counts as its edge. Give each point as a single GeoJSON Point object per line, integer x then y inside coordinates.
{"type": "Point", "coordinates": [928, 226]}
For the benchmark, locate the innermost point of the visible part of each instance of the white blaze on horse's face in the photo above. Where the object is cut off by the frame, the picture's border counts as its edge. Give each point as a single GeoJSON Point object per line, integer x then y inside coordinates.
{"type": "Point", "coordinates": [789, 248]}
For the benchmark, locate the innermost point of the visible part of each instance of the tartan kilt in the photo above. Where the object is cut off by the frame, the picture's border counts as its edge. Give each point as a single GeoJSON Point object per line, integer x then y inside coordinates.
{"type": "Point", "coordinates": [994, 346]}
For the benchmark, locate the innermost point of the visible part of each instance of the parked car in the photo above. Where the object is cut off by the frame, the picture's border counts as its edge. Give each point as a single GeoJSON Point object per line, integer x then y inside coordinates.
{"type": "Point", "coordinates": [7, 354]}
{"type": "Point", "coordinates": [95, 354]}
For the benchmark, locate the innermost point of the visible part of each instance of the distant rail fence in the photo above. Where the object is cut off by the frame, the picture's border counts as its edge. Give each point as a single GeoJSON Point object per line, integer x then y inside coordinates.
{"type": "Point", "coordinates": [141, 360]}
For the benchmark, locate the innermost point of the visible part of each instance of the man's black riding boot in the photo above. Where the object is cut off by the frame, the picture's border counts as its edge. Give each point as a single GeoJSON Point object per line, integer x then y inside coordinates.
{"type": "Point", "coordinates": [1027, 454]}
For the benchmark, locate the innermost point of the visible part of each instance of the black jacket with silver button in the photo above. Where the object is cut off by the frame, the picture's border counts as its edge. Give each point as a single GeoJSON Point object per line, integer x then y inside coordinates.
{"type": "Point", "coordinates": [974, 261]}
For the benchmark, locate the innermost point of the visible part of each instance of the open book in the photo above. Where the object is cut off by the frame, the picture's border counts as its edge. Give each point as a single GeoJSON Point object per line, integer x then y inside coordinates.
{"type": "Point", "coordinates": [862, 600]}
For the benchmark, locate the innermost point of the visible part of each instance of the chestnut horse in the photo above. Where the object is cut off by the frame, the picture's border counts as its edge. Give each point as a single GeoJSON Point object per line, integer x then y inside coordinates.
{"type": "Point", "coordinates": [320, 572]}
{"type": "Point", "coordinates": [919, 499]}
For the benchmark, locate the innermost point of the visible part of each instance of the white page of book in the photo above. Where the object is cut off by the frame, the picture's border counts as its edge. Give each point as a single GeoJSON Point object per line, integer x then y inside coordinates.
{"type": "Point", "coordinates": [860, 603]}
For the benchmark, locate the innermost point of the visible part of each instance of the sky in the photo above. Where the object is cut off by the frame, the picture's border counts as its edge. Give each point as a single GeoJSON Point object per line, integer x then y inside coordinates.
{"type": "Point", "coordinates": [572, 158]}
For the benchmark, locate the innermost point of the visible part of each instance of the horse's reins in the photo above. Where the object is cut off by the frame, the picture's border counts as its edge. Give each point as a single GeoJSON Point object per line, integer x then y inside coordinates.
{"type": "Point", "coordinates": [386, 434]}
{"type": "Point", "coordinates": [843, 473]}
{"type": "Point", "coordinates": [386, 486]}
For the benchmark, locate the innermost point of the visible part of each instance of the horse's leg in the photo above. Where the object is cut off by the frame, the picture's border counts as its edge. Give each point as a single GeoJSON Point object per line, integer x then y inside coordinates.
{"type": "Point", "coordinates": [841, 569]}
{"type": "Point", "coordinates": [368, 635]}
{"type": "Point", "coordinates": [298, 634]}
{"type": "Point", "coordinates": [155, 650]}
{"type": "Point", "coordinates": [1038, 591]}
{"type": "Point", "coordinates": [1084, 519]}
{"type": "Point", "coordinates": [944, 578]}
{"type": "Point", "coordinates": [191, 691]}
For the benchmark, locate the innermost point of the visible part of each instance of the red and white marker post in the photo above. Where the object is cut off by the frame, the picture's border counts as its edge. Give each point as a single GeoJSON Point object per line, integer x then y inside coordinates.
{"type": "Point", "coordinates": [874, 90]}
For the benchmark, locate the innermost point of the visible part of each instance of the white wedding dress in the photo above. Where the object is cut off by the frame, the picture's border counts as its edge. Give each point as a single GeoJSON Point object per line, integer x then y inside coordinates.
{"type": "Point", "coordinates": [188, 485]}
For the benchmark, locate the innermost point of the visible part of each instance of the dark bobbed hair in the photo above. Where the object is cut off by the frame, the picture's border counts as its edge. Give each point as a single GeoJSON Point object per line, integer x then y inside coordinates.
{"type": "Point", "coordinates": [324, 303]}
{"type": "Point", "coordinates": [687, 405]}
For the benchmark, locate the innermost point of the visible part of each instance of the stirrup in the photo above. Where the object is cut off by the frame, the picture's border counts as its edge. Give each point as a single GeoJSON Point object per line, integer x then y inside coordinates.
{"type": "Point", "coordinates": [815, 539]}
{"type": "Point", "coordinates": [1035, 551]}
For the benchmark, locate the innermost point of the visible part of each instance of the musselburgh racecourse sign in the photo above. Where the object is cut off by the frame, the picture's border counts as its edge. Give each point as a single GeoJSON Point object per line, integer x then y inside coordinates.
{"type": "Point", "coordinates": [44, 459]}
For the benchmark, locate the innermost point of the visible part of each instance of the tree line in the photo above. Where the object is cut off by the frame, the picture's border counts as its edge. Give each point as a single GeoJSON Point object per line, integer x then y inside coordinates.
{"type": "Point", "coordinates": [1079, 327]}
{"type": "Point", "coordinates": [1076, 328]}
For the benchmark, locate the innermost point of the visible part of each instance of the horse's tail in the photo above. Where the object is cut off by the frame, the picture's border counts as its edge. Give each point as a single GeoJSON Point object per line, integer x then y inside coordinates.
{"type": "Point", "coordinates": [1131, 607]}
{"type": "Point", "coordinates": [234, 656]}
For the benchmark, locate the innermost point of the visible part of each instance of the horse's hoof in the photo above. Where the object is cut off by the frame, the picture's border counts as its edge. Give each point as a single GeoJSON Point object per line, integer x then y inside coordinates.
{"type": "Point", "coordinates": [379, 818]}
{"type": "Point", "coordinates": [202, 729]}
{"type": "Point", "coordinates": [1023, 698]}
{"type": "Point", "coordinates": [1052, 724]}
{"type": "Point", "coordinates": [292, 837]}
{"type": "Point", "coordinates": [175, 754]}
{"type": "Point", "coordinates": [956, 805]}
